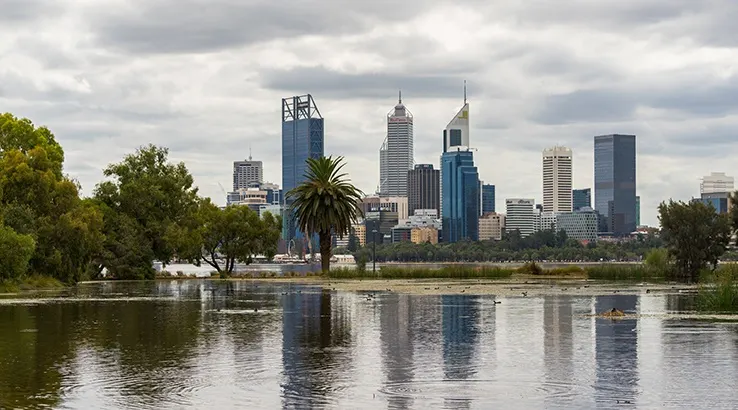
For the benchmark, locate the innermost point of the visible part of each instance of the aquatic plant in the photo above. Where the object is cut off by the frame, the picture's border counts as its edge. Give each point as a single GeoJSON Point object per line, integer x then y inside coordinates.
{"type": "Point", "coordinates": [635, 272]}
{"type": "Point", "coordinates": [444, 272]}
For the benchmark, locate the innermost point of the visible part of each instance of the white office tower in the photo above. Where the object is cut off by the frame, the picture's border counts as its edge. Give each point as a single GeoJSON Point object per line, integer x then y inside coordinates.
{"type": "Point", "coordinates": [557, 179]}
{"type": "Point", "coordinates": [247, 173]}
{"type": "Point", "coordinates": [396, 154]}
{"type": "Point", "coordinates": [717, 182]}
{"type": "Point", "coordinates": [455, 136]}
{"type": "Point", "coordinates": [520, 216]}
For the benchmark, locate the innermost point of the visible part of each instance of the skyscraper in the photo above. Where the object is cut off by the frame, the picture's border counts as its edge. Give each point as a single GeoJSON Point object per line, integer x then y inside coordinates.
{"type": "Point", "coordinates": [615, 181]}
{"type": "Point", "coordinates": [581, 198]}
{"type": "Point", "coordinates": [396, 154]}
{"type": "Point", "coordinates": [247, 174]}
{"type": "Point", "coordinates": [521, 216]}
{"type": "Point", "coordinates": [717, 182]}
{"type": "Point", "coordinates": [488, 198]}
{"type": "Point", "coordinates": [638, 211]}
{"type": "Point", "coordinates": [423, 183]}
{"type": "Point", "coordinates": [456, 134]}
{"type": "Point", "coordinates": [302, 138]}
{"type": "Point", "coordinates": [460, 213]}
{"type": "Point", "coordinates": [557, 179]}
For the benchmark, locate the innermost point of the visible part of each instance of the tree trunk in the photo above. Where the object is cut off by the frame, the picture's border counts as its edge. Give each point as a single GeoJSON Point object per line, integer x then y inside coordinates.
{"type": "Point", "coordinates": [325, 251]}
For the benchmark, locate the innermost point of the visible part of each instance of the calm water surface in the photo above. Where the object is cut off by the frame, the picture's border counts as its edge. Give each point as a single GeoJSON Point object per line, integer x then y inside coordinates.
{"type": "Point", "coordinates": [202, 344]}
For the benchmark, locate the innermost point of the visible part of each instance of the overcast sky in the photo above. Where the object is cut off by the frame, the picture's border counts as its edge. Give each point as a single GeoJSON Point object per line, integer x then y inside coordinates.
{"type": "Point", "coordinates": [206, 77]}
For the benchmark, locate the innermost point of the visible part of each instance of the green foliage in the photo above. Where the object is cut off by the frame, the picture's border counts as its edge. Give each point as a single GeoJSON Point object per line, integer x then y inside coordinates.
{"type": "Point", "coordinates": [38, 200]}
{"type": "Point", "coordinates": [721, 293]}
{"type": "Point", "coordinates": [530, 268]}
{"type": "Point", "coordinates": [444, 272]}
{"type": "Point", "coordinates": [695, 235]}
{"type": "Point", "coordinates": [236, 234]}
{"type": "Point", "coordinates": [628, 272]}
{"type": "Point", "coordinates": [353, 242]}
{"type": "Point", "coordinates": [16, 251]}
{"type": "Point", "coordinates": [149, 213]}
{"type": "Point", "coordinates": [361, 260]}
{"type": "Point", "coordinates": [326, 203]}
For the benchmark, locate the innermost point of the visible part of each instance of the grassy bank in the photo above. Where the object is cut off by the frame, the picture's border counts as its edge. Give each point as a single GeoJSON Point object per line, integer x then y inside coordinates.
{"type": "Point", "coordinates": [32, 282]}
{"type": "Point", "coordinates": [625, 272]}
{"type": "Point", "coordinates": [719, 292]}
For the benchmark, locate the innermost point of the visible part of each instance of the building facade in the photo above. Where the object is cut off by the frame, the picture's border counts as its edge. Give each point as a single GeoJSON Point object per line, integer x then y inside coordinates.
{"type": "Point", "coordinates": [460, 204]}
{"type": "Point", "coordinates": [491, 226]}
{"type": "Point", "coordinates": [546, 221]}
{"type": "Point", "coordinates": [488, 198]}
{"type": "Point", "coordinates": [557, 179]}
{"type": "Point", "coordinates": [717, 182]}
{"type": "Point", "coordinates": [581, 198]}
{"type": "Point", "coordinates": [427, 234]}
{"type": "Point", "coordinates": [382, 222]}
{"type": "Point", "coordinates": [456, 135]}
{"type": "Point", "coordinates": [615, 182]}
{"type": "Point", "coordinates": [302, 138]}
{"type": "Point", "coordinates": [580, 225]}
{"type": "Point", "coordinates": [396, 154]}
{"type": "Point", "coordinates": [638, 211]}
{"type": "Point", "coordinates": [424, 191]}
{"type": "Point", "coordinates": [721, 201]}
{"type": "Point", "coordinates": [246, 174]}
{"type": "Point", "coordinates": [396, 204]}
{"type": "Point", "coordinates": [520, 216]}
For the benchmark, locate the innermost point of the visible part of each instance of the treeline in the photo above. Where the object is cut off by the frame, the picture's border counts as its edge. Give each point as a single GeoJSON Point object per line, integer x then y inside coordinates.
{"type": "Point", "coordinates": [541, 246]}
{"type": "Point", "coordinates": [147, 209]}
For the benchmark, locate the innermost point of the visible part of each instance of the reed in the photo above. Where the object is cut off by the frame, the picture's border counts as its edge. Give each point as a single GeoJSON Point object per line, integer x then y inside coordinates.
{"type": "Point", "coordinates": [444, 272]}
{"type": "Point", "coordinates": [624, 272]}
{"type": "Point", "coordinates": [720, 292]}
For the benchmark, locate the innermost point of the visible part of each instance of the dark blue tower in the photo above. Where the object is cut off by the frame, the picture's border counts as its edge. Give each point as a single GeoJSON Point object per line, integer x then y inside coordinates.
{"type": "Point", "coordinates": [460, 205]}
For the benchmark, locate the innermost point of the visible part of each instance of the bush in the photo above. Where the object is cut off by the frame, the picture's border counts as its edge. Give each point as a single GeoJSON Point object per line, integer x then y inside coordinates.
{"type": "Point", "coordinates": [530, 268]}
{"type": "Point", "coordinates": [361, 260]}
{"type": "Point", "coordinates": [15, 253]}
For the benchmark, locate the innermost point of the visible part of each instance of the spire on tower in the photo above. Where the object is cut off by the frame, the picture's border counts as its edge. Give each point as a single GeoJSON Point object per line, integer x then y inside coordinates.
{"type": "Point", "coordinates": [464, 91]}
{"type": "Point", "coordinates": [249, 152]}
{"type": "Point", "coordinates": [400, 100]}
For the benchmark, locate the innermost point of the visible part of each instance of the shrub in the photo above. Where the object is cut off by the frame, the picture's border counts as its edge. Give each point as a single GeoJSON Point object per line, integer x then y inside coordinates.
{"type": "Point", "coordinates": [15, 253]}
{"type": "Point", "coordinates": [530, 268]}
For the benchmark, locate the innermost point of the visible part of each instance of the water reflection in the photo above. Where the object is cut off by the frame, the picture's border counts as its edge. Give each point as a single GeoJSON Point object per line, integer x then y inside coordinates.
{"type": "Point", "coordinates": [213, 344]}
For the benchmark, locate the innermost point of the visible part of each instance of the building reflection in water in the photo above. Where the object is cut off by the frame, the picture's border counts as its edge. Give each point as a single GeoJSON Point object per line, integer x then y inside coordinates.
{"type": "Point", "coordinates": [315, 347]}
{"type": "Point", "coordinates": [460, 336]}
{"type": "Point", "coordinates": [558, 343]}
{"type": "Point", "coordinates": [396, 336]}
{"type": "Point", "coordinates": [616, 351]}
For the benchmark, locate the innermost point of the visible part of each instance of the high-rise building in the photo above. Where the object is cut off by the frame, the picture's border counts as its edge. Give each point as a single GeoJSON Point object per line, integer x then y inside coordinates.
{"type": "Point", "coordinates": [456, 134]}
{"type": "Point", "coordinates": [717, 182]}
{"type": "Point", "coordinates": [557, 179]}
{"type": "Point", "coordinates": [638, 211]}
{"type": "Point", "coordinates": [580, 225]}
{"type": "Point", "coordinates": [581, 198]}
{"type": "Point", "coordinates": [615, 181]}
{"type": "Point", "coordinates": [423, 183]}
{"type": "Point", "coordinates": [375, 203]}
{"type": "Point", "coordinates": [247, 174]}
{"type": "Point", "coordinates": [521, 216]}
{"type": "Point", "coordinates": [396, 154]}
{"type": "Point", "coordinates": [488, 198]}
{"type": "Point", "coordinates": [460, 205]}
{"type": "Point", "coordinates": [491, 226]}
{"type": "Point", "coordinates": [302, 138]}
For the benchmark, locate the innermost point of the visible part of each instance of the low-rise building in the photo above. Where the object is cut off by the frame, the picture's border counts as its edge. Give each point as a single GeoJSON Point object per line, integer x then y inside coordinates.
{"type": "Point", "coordinates": [424, 234]}
{"type": "Point", "coordinates": [491, 226]}
{"type": "Point", "coordinates": [580, 225]}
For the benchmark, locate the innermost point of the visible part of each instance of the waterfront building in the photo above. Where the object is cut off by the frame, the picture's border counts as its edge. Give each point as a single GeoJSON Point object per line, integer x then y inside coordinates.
{"type": "Point", "coordinates": [520, 215]}
{"type": "Point", "coordinates": [580, 225]}
{"type": "Point", "coordinates": [615, 182]}
{"type": "Point", "coordinates": [460, 204]}
{"type": "Point", "coordinates": [557, 179]}
{"type": "Point", "coordinates": [423, 188]}
{"type": "Point", "coordinates": [302, 138]}
{"type": "Point", "coordinates": [717, 182]}
{"type": "Point", "coordinates": [491, 226]}
{"type": "Point", "coordinates": [581, 198]}
{"type": "Point", "coordinates": [396, 153]}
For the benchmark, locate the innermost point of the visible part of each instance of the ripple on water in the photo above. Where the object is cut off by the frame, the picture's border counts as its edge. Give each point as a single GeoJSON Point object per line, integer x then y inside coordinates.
{"type": "Point", "coordinates": [451, 389]}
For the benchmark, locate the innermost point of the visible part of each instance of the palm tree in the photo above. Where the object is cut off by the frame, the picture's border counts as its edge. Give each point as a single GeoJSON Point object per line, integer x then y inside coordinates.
{"type": "Point", "coordinates": [326, 203]}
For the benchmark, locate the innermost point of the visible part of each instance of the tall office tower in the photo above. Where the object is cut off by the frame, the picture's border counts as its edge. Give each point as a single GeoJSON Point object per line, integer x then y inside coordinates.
{"type": "Point", "coordinates": [456, 134]}
{"type": "Point", "coordinates": [581, 198]}
{"type": "Point", "coordinates": [302, 138]}
{"type": "Point", "coordinates": [521, 216]}
{"type": "Point", "coordinates": [396, 154]}
{"type": "Point", "coordinates": [423, 184]}
{"type": "Point", "coordinates": [488, 198]}
{"type": "Point", "coordinates": [615, 181]}
{"type": "Point", "coordinates": [247, 174]}
{"type": "Point", "coordinates": [717, 182]}
{"type": "Point", "coordinates": [557, 177]}
{"type": "Point", "coordinates": [460, 205]}
{"type": "Point", "coordinates": [638, 211]}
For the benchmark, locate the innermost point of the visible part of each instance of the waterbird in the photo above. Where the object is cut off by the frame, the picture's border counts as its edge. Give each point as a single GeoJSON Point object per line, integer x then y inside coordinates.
{"type": "Point", "coordinates": [497, 302]}
{"type": "Point", "coordinates": [525, 294]}
{"type": "Point", "coordinates": [462, 290]}
{"type": "Point", "coordinates": [256, 309]}
{"type": "Point", "coordinates": [648, 290]}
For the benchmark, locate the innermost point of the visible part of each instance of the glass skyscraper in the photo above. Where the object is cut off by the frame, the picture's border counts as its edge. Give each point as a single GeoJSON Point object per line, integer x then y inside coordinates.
{"type": "Point", "coordinates": [615, 181]}
{"type": "Point", "coordinates": [460, 204]}
{"type": "Point", "coordinates": [582, 198]}
{"type": "Point", "coordinates": [488, 198]}
{"type": "Point", "coordinates": [302, 138]}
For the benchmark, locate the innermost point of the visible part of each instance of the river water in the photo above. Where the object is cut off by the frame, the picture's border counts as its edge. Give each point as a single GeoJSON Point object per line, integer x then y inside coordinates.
{"type": "Point", "coordinates": [222, 345]}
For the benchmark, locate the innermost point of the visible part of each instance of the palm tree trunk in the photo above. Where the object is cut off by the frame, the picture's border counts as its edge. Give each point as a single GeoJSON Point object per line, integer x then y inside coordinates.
{"type": "Point", "coordinates": [325, 251]}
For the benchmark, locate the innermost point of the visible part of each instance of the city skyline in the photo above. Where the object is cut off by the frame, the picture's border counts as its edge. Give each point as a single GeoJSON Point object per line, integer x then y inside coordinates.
{"type": "Point", "coordinates": [107, 79]}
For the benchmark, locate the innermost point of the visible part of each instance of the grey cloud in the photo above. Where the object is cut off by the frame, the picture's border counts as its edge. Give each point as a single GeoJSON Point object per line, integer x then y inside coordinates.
{"type": "Point", "coordinates": [182, 26]}
{"type": "Point", "coordinates": [586, 105]}
{"type": "Point", "coordinates": [22, 11]}
{"type": "Point", "coordinates": [333, 84]}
